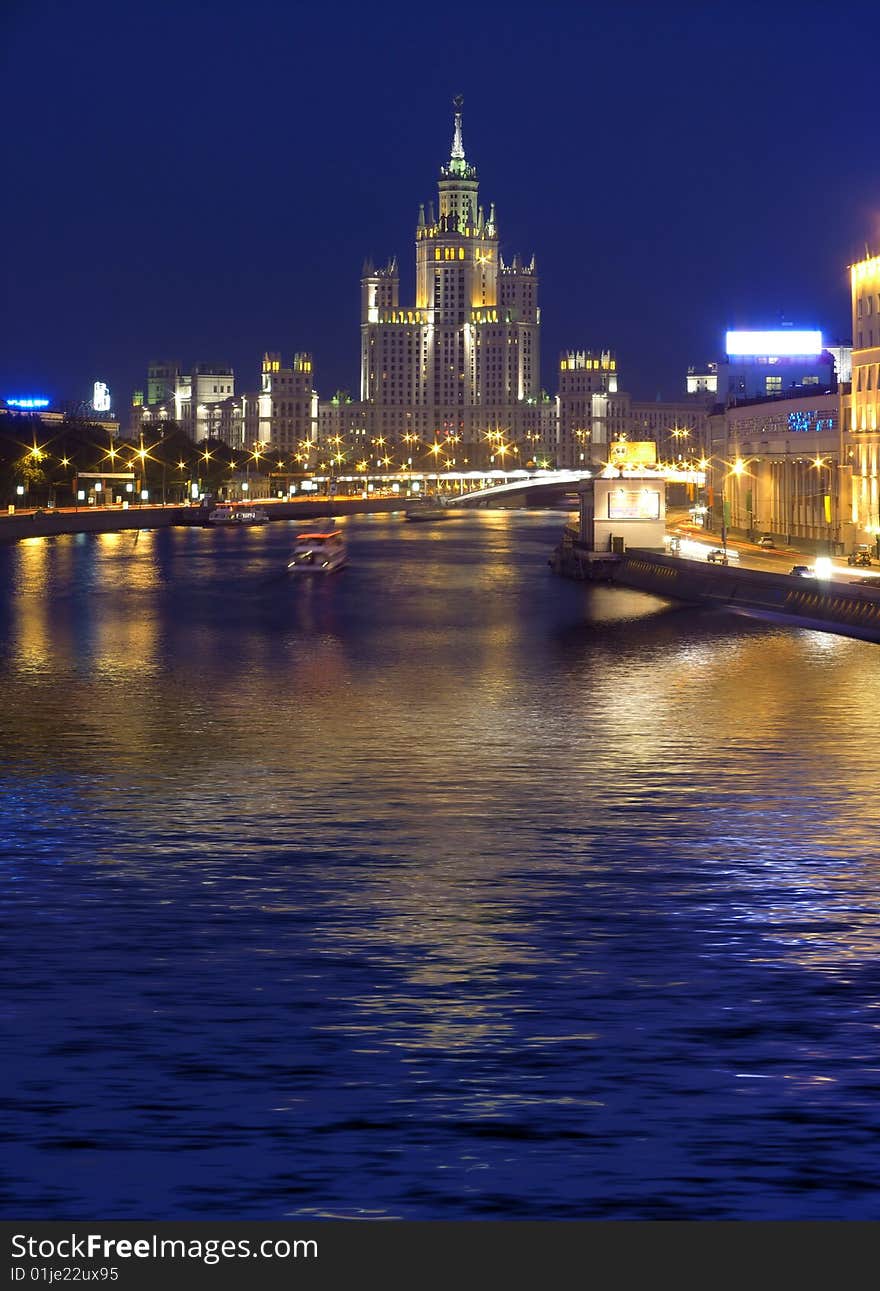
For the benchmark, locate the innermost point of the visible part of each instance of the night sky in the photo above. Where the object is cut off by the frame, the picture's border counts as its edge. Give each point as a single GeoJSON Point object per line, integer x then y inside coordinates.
{"type": "Point", "coordinates": [202, 181]}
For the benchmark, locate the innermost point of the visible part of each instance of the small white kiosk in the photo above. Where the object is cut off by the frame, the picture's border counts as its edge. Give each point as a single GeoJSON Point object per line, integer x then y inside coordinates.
{"type": "Point", "coordinates": [625, 506]}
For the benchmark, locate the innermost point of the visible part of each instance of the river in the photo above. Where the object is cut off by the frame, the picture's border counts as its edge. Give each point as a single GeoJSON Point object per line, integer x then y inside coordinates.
{"type": "Point", "coordinates": [439, 888]}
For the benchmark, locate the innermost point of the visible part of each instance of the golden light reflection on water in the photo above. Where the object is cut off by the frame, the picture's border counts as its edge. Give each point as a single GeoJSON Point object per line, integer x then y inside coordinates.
{"type": "Point", "coordinates": [63, 610]}
{"type": "Point", "coordinates": [442, 709]}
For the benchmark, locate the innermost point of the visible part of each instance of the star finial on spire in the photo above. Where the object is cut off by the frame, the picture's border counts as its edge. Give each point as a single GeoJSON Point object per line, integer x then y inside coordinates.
{"type": "Point", "coordinates": [457, 145]}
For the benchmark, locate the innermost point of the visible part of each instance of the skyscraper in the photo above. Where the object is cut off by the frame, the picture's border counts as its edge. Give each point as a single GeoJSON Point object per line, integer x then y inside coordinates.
{"type": "Point", "coordinates": [461, 366]}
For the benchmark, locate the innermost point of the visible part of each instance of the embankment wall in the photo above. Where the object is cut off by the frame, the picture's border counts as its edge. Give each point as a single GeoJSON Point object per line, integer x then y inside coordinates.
{"type": "Point", "coordinates": [847, 608]}
{"type": "Point", "coordinates": [42, 524]}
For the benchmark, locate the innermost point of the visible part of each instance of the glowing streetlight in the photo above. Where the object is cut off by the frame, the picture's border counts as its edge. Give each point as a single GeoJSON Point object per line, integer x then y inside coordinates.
{"type": "Point", "coordinates": [737, 470]}
{"type": "Point", "coordinates": [827, 498]}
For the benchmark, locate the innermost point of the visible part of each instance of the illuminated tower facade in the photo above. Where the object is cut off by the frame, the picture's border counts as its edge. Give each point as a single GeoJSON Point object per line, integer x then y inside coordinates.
{"type": "Point", "coordinates": [588, 419]}
{"type": "Point", "coordinates": [461, 366]}
{"type": "Point", "coordinates": [285, 412]}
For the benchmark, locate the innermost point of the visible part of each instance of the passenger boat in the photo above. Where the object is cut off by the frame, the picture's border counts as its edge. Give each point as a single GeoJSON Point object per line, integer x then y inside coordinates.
{"type": "Point", "coordinates": [319, 552]}
{"type": "Point", "coordinates": [230, 513]}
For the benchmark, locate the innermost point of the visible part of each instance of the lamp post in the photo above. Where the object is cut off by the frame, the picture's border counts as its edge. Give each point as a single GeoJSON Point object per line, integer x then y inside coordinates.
{"type": "Point", "coordinates": [255, 458]}
{"type": "Point", "coordinates": [65, 462]}
{"type": "Point", "coordinates": [164, 465]}
{"type": "Point", "coordinates": [723, 518]}
{"type": "Point", "coordinates": [679, 434]}
{"type": "Point", "coordinates": [737, 470]}
{"type": "Point", "coordinates": [206, 457]}
{"type": "Point", "coordinates": [817, 463]}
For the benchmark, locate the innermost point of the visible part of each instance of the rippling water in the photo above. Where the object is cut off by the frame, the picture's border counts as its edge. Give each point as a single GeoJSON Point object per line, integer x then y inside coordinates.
{"type": "Point", "coordinates": [440, 888]}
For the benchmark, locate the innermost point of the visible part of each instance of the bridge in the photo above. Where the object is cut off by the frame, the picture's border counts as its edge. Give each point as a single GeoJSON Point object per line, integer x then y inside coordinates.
{"type": "Point", "coordinates": [457, 489]}
{"type": "Point", "coordinates": [537, 484]}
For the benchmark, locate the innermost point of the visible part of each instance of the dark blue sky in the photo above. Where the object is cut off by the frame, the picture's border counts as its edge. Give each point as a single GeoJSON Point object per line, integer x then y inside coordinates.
{"type": "Point", "coordinates": [204, 180]}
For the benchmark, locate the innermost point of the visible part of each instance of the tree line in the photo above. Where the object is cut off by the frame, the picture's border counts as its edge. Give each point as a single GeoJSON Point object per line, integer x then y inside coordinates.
{"type": "Point", "coordinates": [40, 461]}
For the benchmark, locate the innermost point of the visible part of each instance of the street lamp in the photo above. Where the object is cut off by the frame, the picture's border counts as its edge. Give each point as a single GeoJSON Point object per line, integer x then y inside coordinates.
{"type": "Point", "coordinates": [817, 463]}
{"type": "Point", "coordinates": [737, 470]}
{"type": "Point", "coordinates": [679, 434]}
{"type": "Point", "coordinates": [255, 458]}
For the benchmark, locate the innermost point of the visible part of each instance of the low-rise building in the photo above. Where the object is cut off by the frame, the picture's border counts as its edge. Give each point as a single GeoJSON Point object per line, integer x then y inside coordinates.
{"type": "Point", "coordinates": [677, 428]}
{"type": "Point", "coordinates": [774, 467]}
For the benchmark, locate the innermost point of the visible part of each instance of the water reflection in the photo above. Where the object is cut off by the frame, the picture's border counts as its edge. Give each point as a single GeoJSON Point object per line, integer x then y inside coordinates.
{"type": "Point", "coordinates": [441, 880]}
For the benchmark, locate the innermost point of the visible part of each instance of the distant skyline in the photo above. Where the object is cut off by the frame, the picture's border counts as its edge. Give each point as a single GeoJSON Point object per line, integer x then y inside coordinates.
{"type": "Point", "coordinates": [204, 184]}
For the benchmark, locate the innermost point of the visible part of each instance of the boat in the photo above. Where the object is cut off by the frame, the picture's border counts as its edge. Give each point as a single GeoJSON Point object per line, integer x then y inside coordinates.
{"type": "Point", "coordinates": [230, 513]}
{"type": "Point", "coordinates": [425, 511]}
{"type": "Point", "coordinates": [318, 552]}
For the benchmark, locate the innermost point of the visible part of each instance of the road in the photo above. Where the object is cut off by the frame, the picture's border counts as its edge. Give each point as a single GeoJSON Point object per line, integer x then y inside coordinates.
{"type": "Point", "coordinates": [695, 544]}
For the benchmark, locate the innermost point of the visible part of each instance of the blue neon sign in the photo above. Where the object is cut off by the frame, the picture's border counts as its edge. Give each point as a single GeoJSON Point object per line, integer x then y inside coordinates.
{"type": "Point", "coordinates": [810, 421]}
{"type": "Point", "coordinates": [27, 403]}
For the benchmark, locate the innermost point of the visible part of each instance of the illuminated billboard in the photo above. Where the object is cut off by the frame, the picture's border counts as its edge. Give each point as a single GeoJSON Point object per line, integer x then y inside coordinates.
{"type": "Point", "coordinates": [625, 453]}
{"type": "Point", "coordinates": [634, 504]}
{"type": "Point", "coordinates": [786, 341]}
{"type": "Point", "coordinates": [100, 397]}
{"type": "Point", "coordinates": [27, 403]}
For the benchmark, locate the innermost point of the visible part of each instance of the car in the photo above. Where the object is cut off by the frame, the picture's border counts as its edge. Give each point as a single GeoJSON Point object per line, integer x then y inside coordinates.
{"type": "Point", "coordinates": [717, 556]}
{"type": "Point", "coordinates": [860, 556]}
{"type": "Point", "coordinates": [766, 541]}
{"type": "Point", "coordinates": [802, 571]}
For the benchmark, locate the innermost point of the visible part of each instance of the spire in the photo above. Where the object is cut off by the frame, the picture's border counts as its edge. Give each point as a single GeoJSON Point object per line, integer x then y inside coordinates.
{"type": "Point", "coordinates": [457, 153]}
{"type": "Point", "coordinates": [457, 167]}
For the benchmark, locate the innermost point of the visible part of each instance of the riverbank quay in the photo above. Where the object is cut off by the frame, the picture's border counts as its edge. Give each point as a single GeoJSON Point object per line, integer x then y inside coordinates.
{"type": "Point", "coordinates": [849, 609]}
{"type": "Point", "coordinates": [48, 523]}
